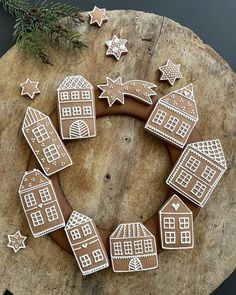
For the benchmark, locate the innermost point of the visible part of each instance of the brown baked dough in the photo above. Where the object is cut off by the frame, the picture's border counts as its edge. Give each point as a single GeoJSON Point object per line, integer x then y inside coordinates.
{"type": "Point", "coordinates": [136, 110]}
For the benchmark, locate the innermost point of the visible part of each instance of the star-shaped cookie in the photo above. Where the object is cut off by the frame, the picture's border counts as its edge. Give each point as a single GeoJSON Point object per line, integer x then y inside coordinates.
{"type": "Point", "coordinates": [30, 88]}
{"type": "Point", "coordinates": [116, 47]}
{"type": "Point", "coordinates": [16, 241]}
{"type": "Point", "coordinates": [98, 16]}
{"type": "Point", "coordinates": [111, 91]}
{"type": "Point", "coordinates": [170, 72]}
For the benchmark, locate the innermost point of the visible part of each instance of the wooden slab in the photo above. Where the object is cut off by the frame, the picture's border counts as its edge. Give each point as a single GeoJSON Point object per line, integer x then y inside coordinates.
{"type": "Point", "coordinates": [134, 187]}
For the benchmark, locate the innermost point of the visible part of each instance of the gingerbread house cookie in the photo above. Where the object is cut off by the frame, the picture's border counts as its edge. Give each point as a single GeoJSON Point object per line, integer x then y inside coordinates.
{"type": "Point", "coordinates": [76, 108]}
{"type": "Point", "coordinates": [133, 248]}
{"type": "Point", "coordinates": [174, 116]}
{"type": "Point", "coordinates": [45, 142]}
{"type": "Point", "coordinates": [198, 171]}
{"type": "Point", "coordinates": [176, 225]}
{"type": "Point", "coordinates": [40, 204]}
{"type": "Point", "coordinates": [86, 243]}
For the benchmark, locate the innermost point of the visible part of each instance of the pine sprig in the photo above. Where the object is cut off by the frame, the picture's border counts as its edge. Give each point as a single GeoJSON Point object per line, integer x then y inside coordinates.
{"type": "Point", "coordinates": [42, 23]}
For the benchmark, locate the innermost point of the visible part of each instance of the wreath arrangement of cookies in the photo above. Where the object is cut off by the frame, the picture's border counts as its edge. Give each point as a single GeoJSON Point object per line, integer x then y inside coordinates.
{"type": "Point", "coordinates": [133, 246]}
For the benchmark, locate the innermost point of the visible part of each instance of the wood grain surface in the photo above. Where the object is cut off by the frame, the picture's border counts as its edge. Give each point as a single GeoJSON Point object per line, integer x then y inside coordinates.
{"type": "Point", "coordinates": [119, 176]}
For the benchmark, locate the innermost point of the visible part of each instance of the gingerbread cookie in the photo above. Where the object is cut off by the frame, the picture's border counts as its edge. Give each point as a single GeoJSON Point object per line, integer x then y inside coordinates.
{"type": "Point", "coordinates": [116, 47]}
{"type": "Point", "coordinates": [176, 225]}
{"type": "Point", "coordinates": [76, 108]}
{"type": "Point", "coordinates": [115, 90]}
{"type": "Point", "coordinates": [30, 88]}
{"type": "Point", "coordinates": [86, 243]}
{"type": "Point", "coordinates": [40, 204]}
{"type": "Point", "coordinates": [98, 16]}
{"type": "Point", "coordinates": [198, 171]}
{"type": "Point", "coordinates": [170, 72]}
{"type": "Point", "coordinates": [45, 142]}
{"type": "Point", "coordinates": [133, 248]}
{"type": "Point", "coordinates": [16, 241]}
{"type": "Point", "coordinates": [174, 116]}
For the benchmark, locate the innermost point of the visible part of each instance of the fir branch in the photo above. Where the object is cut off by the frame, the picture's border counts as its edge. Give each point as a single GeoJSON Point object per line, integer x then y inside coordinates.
{"type": "Point", "coordinates": [42, 23]}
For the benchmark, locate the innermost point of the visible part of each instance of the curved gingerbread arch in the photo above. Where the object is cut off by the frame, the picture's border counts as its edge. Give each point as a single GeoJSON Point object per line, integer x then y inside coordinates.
{"type": "Point", "coordinates": [141, 112]}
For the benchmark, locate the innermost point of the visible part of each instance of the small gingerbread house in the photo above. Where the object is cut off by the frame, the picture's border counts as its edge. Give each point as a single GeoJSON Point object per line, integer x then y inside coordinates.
{"type": "Point", "coordinates": [76, 108]}
{"type": "Point", "coordinates": [176, 225]}
{"type": "Point", "coordinates": [45, 142]}
{"type": "Point", "coordinates": [40, 203]}
{"type": "Point", "coordinates": [198, 171]}
{"type": "Point", "coordinates": [174, 116]}
{"type": "Point", "coordinates": [86, 243]}
{"type": "Point", "coordinates": [133, 248]}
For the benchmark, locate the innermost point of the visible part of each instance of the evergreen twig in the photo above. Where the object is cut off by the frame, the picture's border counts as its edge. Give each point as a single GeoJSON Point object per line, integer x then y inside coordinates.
{"type": "Point", "coordinates": [42, 22]}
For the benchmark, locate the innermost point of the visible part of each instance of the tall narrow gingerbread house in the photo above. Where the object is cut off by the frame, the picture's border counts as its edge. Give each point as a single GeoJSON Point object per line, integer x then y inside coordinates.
{"type": "Point", "coordinates": [198, 171]}
{"type": "Point", "coordinates": [76, 108]}
{"type": "Point", "coordinates": [133, 248]}
{"type": "Point", "coordinates": [45, 142]}
{"type": "Point", "coordinates": [176, 225]}
{"type": "Point", "coordinates": [174, 116]}
{"type": "Point", "coordinates": [86, 243]}
{"type": "Point", "coordinates": [40, 204]}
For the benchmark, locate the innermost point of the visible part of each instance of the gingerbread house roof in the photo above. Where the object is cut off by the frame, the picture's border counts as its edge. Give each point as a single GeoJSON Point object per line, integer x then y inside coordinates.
{"type": "Point", "coordinates": [32, 179]}
{"type": "Point", "coordinates": [32, 116]}
{"type": "Point", "coordinates": [131, 230]}
{"type": "Point", "coordinates": [212, 149]}
{"type": "Point", "coordinates": [174, 205]}
{"type": "Point", "coordinates": [182, 100]}
{"type": "Point", "coordinates": [75, 82]}
{"type": "Point", "coordinates": [76, 219]}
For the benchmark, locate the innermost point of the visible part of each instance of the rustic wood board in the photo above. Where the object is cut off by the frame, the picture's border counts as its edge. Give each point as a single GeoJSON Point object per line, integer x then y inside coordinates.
{"type": "Point", "coordinates": [136, 186]}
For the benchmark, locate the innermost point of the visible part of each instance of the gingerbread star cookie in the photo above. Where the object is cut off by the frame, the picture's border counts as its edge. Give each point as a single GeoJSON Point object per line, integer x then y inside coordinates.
{"type": "Point", "coordinates": [30, 88]}
{"type": "Point", "coordinates": [16, 241]}
{"type": "Point", "coordinates": [98, 16]}
{"type": "Point", "coordinates": [116, 47]}
{"type": "Point", "coordinates": [170, 72]}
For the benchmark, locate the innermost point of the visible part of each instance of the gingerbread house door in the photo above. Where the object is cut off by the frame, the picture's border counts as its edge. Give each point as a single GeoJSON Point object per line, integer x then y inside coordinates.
{"type": "Point", "coordinates": [135, 264]}
{"type": "Point", "coordinates": [79, 129]}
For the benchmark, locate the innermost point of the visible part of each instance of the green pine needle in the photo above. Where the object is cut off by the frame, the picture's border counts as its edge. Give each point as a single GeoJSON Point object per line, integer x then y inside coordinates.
{"type": "Point", "coordinates": [42, 23]}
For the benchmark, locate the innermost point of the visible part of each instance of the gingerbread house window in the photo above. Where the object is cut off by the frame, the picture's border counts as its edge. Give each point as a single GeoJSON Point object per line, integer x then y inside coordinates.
{"type": "Point", "coordinates": [192, 164]}
{"type": "Point", "coordinates": [75, 95]}
{"type": "Point", "coordinates": [76, 111]}
{"type": "Point", "coordinates": [183, 178]}
{"type": "Point", "coordinates": [66, 112]}
{"type": "Point", "coordinates": [118, 248]}
{"type": "Point", "coordinates": [128, 247]}
{"type": "Point", "coordinates": [138, 247]}
{"type": "Point", "coordinates": [171, 123]}
{"type": "Point", "coordinates": [85, 260]}
{"type": "Point", "coordinates": [30, 200]}
{"type": "Point", "coordinates": [198, 189]}
{"type": "Point", "coordinates": [40, 133]}
{"type": "Point", "coordinates": [86, 229]}
{"type": "Point", "coordinates": [37, 218]}
{"type": "Point", "coordinates": [148, 246]}
{"type": "Point", "coordinates": [170, 237]}
{"type": "Point", "coordinates": [184, 222]}
{"type": "Point", "coordinates": [87, 110]}
{"type": "Point", "coordinates": [86, 95]}
{"type": "Point", "coordinates": [64, 95]}
{"type": "Point", "coordinates": [97, 255]}
{"type": "Point", "coordinates": [51, 213]}
{"type": "Point", "coordinates": [208, 173]}
{"type": "Point", "coordinates": [159, 117]}
{"type": "Point", "coordinates": [51, 153]}
{"type": "Point", "coordinates": [185, 237]}
{"type": "Point", "coordinates": [183, 129]}
{"type": "Point", "coordinates": [45, 195]}
{"type": "Point", "coordinates": [169, 222]}
{"type": "Point", "coordinates": [75, 234]}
